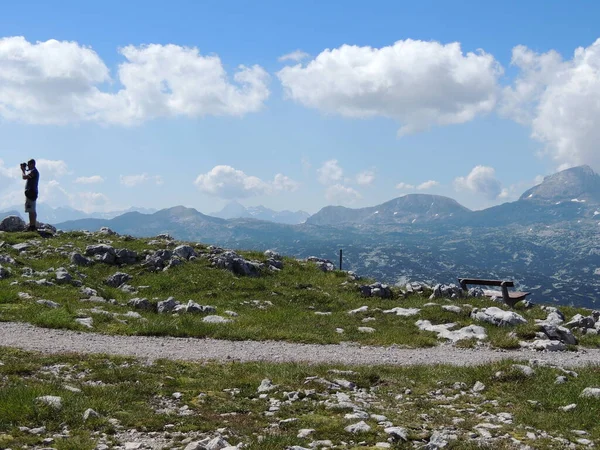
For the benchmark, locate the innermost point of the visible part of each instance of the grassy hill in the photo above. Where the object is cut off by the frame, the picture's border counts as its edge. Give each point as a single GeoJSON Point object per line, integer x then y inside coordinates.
{"type": "Point", "coordinates": [299, 303]}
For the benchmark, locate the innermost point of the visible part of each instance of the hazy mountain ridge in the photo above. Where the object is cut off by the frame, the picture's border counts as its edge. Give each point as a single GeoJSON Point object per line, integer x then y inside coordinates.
{"type": "Point", "coordinates": [235, 210]}
{"type": "Point", "coordinates": [551, 248]}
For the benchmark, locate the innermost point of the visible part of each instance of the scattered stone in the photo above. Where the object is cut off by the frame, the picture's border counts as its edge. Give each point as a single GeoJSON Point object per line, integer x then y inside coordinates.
{"type": "Point", "coordinates": [360, 427]}
{"type": "Point", "coordinates": [118, 279]}
{"type": "Point", "coordinates": [568, 408]}
{"type": "Point", "coordinates": [106, 231]}
{"type": "Point", "coordinates": [79, 260]}
{"type": "Point", "coordinates": [397, 433]}
{"type": "Point", "coordinates": [184, 252]}
{"type": "Point", "coordinates": [323, 264]}
{"type": "Point", "coordinates": [452, 308]}
{"type": "Point", "coordinates": [591, 392]}
{"type": "Point", "coordinates": [230, 260]}
{"type": "Point", "coordinates": [141, 303]}
{"type": "Point", "coordinates": [404, 312]}
{"type": "Point", "coordinates": [90, 414]}
{"type": "Point", "coordinates": [167, 305]}
{"type": "Point", "coordinates": [556, 332]}
{"type": "Point", "coordinates": [366, 329]}
{"type": "Point", "coordinates": [498, 317]}
{"type": "Point", "coordinates": [4, 273]}
{"type": "Point", "coordinates": [376, 290]}
{"type": "Point", "coordinates": [266, 385]}
{"type": "Point", "coordinates": [478, 387]}
{"type": "Point", "coordinates": [444, 331]}
{"type": "Point", "coordinates": [125, 256]}
{"type": "Point", "coordinates": [305, 432]}
{"type": "Point", "coordinates": [51, 400]}
{"type": "Point", "coordinates": [48, 303]}
{"type": "Point", "coordinates": [525, 370]}
{"type": "Point", "coordinates": [359, 310]}
{"type": "Point", "coordinates": [446, 291]}
{"type": "Point", "coordinates": [87, 322]}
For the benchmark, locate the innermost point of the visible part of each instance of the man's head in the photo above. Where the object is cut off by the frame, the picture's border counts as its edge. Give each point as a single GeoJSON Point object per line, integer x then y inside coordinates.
{"type": "Point", "coordinates": [31, 164]}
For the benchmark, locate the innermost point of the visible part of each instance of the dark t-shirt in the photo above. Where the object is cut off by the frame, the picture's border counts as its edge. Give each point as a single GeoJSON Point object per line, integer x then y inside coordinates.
{"type": "Point", "coordinates": [31, 187]}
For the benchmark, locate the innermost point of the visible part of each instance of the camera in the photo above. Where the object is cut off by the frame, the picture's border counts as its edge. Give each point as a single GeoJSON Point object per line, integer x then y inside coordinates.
{"type": "Point", "coordinates": [23, 166]}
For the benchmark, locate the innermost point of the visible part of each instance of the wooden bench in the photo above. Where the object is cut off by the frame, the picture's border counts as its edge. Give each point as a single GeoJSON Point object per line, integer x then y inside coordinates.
{"type": "Point", "coordinates": [510, 298]}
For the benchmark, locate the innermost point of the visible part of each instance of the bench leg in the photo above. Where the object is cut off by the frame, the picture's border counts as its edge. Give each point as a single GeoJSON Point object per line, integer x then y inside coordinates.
{"type": "Point", "coordinates": [509, 301]}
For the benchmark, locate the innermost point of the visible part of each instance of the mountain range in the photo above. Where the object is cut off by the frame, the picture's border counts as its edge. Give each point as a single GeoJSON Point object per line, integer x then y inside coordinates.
{"type": "Point", "coordinates": [65, 213]}
{"type": "Point", "coordinates": [547, 241]}
{"type": "Point", "coordinates": [235, 210]}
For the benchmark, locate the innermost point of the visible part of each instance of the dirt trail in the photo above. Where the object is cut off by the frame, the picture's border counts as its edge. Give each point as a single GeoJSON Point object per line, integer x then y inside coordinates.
{"type": "Point", "coordinates": [28, 337]}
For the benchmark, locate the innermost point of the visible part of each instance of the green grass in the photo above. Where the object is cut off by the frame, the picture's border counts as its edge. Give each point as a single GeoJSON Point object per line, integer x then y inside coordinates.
{"type": "Point", "coordinates": [277, 305]}
{"type": "Point", "coordinates": [224, 395]}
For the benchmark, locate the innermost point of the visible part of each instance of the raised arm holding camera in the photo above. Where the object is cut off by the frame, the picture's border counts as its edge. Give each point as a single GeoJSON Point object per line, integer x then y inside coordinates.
{"type": "Point", "coordinates": [31, 174]}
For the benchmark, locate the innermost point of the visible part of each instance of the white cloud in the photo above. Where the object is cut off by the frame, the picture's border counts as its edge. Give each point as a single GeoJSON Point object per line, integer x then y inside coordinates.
{"type": "Point", "coordinates": [94, 179]}
{"type": "Point", "coordinates": [134, 180]}
{"type": "Point", "coordinates": [481, 180]}
{"type": "Point", "coordinates": [560, 100]}
{"type": "Point", "coordinates": [330, 172]}
{"type": "Point", "coordinates": [53, 194]}
{"type": "Point", "coordinates": [51, 168]}
{"type": "Point", "coordinates": [58, 82]}
{"type": "Point", "coordinates": [404, 186]}
{"type": "Point", "coordinates": [91, 201]}
{"type": "Point", "coordinates": [229, 183]}
{"type": "Point", "coordinates": [417, 83]}
{"type": "Point", "coordinates": [427, 185]}
{"type": "Point", "coordinates": [341, 195]}
{"type": "Point", "coordinates": [420, 187]}
{"type": "Point", "coordinates": [284, 183]}
{"type": "Point", "coordinates": [296, 56]}
{"type": "Point", "coordinates": [365, 178]}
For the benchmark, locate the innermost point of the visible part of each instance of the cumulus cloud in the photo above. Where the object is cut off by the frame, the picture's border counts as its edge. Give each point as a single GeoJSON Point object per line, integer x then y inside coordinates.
{"type": "Point", "coordinates": [330, 172]}
{"type": "Point", "coordinates": [91, 201]}
{"type": "Point", "coordinates": [229, 183]}
{"type": "Point", "coordinates": [134, 180]}
{"type": "Point", "coordinates": [284, 183]}
{"type": "Point", "coordinates": [427, 185]}
{"type": "Point", "coordinates": [365, 178]}
{"type": "Point", "coordinates": [481, 180]}
{"type": "Point", "coordinates": [52, 168]}
{"type": "Point", "coordinates": [420, 187]}
{"type": "Point", "coordinates": [94, 179]}
{"type": "Point", "coordinates": [560, 100]}
{"type": "Point", "coordinates": [296, 56]}
{"type": "Point", "coordinates": [405, 186]}
{"type": "Point", "coordinates": [341, 195]}
{"type": "Point", "coordinates": [420, 84]}
{"type": "Point", "coordinates": [57, 82]}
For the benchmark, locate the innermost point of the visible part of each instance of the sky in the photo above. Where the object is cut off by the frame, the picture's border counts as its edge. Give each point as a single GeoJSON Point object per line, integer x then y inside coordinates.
{"type": "Point", "coordinates": [294, 105]}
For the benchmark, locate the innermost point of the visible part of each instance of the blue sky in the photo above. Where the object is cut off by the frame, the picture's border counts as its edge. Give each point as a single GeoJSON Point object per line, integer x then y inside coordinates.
{"type": "Point", "coordinates": [146, 104]}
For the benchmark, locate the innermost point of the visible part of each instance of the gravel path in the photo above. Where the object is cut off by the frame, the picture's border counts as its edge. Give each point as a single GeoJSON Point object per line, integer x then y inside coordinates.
{"type": "Point", "coordinates": [28, 337]}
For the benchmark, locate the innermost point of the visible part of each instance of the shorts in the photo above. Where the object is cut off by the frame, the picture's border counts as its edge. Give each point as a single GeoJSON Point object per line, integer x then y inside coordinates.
{"type": "Point", "coordinates": [29, 206]}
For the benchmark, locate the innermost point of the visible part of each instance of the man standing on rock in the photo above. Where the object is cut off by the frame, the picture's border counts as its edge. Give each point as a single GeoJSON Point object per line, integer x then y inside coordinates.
{"type": "Point", "coordinates": [31, 192]}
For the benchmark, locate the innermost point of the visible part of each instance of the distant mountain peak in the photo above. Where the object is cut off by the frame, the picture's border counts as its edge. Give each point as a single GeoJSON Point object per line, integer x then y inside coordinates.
{"type": "Point", "coordinates": [579, 183]}
{"type": "Point", "coordinates": [235, 210]}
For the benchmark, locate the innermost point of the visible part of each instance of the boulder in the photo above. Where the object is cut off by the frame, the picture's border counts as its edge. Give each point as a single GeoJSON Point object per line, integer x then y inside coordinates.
{"type": "Point", "coordinates": [376, 290]}
{"type": "Point", "coordinates": [118, 279]}
{"type": "Point", "coordinates": [230, 260]}
{"type": "Point", "coordinates": [12, 224]}
{"type": "Point", "coordinates": [101, 252]}
{"type": "Point", "coordinates": [62, 276]}
{"type": "Point", "coordinates": [323, 264]}
{"type": "Point", "coordinates": [476, 292]}
{"type": "Point", "coordinates": [558, 333]}
{"type": "Point", "coordinates": [579, 321]}
{"type": "Point", "coordinates": [184, 252]}
{"type": "Point", "coordinates": [167, 305]}
{"type": "Point", "coordinates": [4, 273]}
{"type": "Point", "coordinates": [106, 231]}
{"type": "Point", "coordinates": [141, 303]}
{"type": "Point", "coordinates": [79, 260]}
{"type": "Point", "coordinates": [591, 392]}
{"type": "Point", "coordinates": [446, 291]}
{"type": "Point", "coordinates": [498, 317]}
{"type": "Point", "coordinates": [125, 256]}
{"type": "Point", "coordinates": [7, 259]}
{"type": "Point", "coordinates": [272, 254]}
{"type": "Point", "coordinates": [158, 260]}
